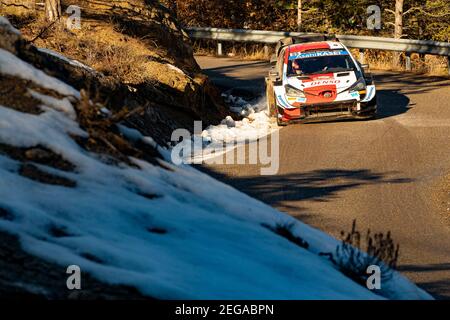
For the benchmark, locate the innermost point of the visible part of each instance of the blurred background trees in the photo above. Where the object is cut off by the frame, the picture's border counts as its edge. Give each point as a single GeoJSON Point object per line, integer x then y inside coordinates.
{"type": "Point", "coordinates": [421, 19]}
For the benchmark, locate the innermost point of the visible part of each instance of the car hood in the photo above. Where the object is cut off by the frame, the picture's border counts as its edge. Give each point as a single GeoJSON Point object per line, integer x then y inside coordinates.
{"type": "Point", "coordinates": [337, 81]}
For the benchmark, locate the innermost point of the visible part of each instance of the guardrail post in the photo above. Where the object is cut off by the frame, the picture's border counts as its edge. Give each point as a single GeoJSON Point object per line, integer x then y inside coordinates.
{"type": "Point", "coordinates": [361, 56]}
{"type": "Point", "coordinates": [266, 50]}
{"type": "Point", "coordinates": [408, 61]}
{"type": "Point", "coordinates": [219, 49]}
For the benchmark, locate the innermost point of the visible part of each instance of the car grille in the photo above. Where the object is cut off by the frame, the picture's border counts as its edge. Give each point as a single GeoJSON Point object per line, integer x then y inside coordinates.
{"type": "Point", "coordinates": [329, 109]}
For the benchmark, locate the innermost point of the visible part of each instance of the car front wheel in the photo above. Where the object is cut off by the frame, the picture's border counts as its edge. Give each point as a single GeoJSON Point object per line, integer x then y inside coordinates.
{"type": "Point", "coordinates": [271, 104]}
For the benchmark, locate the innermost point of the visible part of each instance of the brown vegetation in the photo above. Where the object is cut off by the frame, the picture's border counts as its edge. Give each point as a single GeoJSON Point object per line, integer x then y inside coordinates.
{"type": "Point", "coordinates": [353, 256]}
{"type": "Point", "coordinates": [141, 57]}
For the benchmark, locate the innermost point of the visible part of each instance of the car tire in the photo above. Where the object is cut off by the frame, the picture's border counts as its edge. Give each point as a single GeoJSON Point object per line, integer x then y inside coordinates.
{"type": "Point", "coordinates": [270, 97]}
{"type": "Point", "coordinates": [367, 116]}
{"type": "Point", "coordinates": [373, 114]}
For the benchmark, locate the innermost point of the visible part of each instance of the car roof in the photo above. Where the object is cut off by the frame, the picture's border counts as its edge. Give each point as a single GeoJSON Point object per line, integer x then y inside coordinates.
{"type": "Point", "coordinates": [300, 47]}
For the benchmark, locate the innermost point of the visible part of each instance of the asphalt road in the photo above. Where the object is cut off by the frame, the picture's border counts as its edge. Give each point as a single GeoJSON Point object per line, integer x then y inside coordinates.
{"type": "Point", "coordinates": [386, 173]}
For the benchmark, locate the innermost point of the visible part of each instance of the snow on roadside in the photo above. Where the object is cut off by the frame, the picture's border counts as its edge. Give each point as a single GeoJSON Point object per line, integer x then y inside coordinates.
{"type": "Point", "coordinates": [4, 23]}
{"type": "Point", "coordinates": [256, 124]}
{"type": "Point", "coordinates": [13, 66]}
{"type": "Point", "coordinates": [197, 238]}
{"type": "Point", "coordinates": [72, 62]}
{"type": "Point", "coordinates": [63, 105]}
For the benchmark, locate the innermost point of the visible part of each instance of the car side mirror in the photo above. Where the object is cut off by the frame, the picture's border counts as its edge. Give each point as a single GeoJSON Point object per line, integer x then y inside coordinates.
{"type": "Point", "coordinates": [274, 75]}
{"type": "Point", "coordinates": [365, 68]}
{"type": "Point", "coordinates": [366, 73]}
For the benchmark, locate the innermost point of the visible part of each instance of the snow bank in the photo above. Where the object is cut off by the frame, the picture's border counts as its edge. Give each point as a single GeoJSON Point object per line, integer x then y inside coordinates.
{"type": "Point", "coordinates": [72, 62]}
{"type": "Point", "coordinates": [255, 125]}
{"type": "Point", "coordinates": [195, 239]}
{"type": "Point", "coordinates": [13, 66]}
{"type": "Point", "coordinates": [63, 105]}
{"type": "Point", "coordinates": [5, 24]}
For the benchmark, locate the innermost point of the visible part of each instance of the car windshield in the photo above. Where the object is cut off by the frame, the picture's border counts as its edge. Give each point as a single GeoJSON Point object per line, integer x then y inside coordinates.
{"type": "Point", "coordinates": [319, 62]}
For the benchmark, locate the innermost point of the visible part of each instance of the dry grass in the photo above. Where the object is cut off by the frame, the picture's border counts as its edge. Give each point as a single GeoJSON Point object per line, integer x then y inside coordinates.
{"type": "Point", "coordinates": [248, 52]}
{"type": "Point", "coordinates": [380, 250]}
{"type": "Point", "coordinates": [425, 64]}
{"type": "Point", "coordinates": [99, 46]}
{"type": "Point", "coordinates": [104, 47]}
{"type": "Point", "coordinates": [17, 11]}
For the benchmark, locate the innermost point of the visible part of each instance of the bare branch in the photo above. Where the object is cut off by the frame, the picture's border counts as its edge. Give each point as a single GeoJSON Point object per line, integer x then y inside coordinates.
{"type": "Point", "coordinates": [411, 10]}
{"type": "Point", "coordinates": [14, 5]}
{"type": "Point", "coordinates": [425, 12]}
{"type": "Point", "coordinates": [310, 10]}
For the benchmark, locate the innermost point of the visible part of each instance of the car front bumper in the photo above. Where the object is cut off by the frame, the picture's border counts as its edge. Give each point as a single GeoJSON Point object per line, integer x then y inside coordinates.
{"type": "Point", "coordinates": [330, 111]}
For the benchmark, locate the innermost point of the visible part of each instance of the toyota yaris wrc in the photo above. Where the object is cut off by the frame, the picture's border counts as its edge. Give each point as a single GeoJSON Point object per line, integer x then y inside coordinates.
{"type": "Point", "coordinates": [315, 79]}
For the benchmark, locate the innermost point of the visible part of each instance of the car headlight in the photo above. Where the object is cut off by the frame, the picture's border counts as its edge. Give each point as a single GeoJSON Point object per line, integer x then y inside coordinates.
{"type": "Point", "coordinates": [359, 86]}
{"type": "Point", "coordinates": [293, 92]}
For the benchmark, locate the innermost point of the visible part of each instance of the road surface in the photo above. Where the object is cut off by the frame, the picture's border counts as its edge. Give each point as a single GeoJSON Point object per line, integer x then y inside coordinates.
{"type": "Point", "coordinates": [387, 173]}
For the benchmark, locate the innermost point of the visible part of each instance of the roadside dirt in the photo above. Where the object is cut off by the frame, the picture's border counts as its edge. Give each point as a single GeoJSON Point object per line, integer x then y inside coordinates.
{"type": "Point", "coordinates": [441, 198]}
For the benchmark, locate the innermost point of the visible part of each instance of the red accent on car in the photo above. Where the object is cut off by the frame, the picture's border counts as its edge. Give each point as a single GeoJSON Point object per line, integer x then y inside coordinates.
{"type": "Point", "coordinates": [286, 55]}
{"type": "Point", "coordinates": [289, 114]}
{"type": "Point", "coordinates": [317, 77]}
{"type": "Point", "coordinates": [320, 94]}
{"type": "Point", "coordinates": [308, 46]}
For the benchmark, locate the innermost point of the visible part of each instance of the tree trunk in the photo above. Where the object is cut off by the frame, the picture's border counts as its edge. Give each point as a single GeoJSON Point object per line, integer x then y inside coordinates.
{"type": "Point", "coordinates": [398, 28]}
{"type": "Point", "coordinates": [398, 31]}
{"type": "Point", "coordinates": [52, 10]}
{"type": "Point", "coordinates": [299, 15]}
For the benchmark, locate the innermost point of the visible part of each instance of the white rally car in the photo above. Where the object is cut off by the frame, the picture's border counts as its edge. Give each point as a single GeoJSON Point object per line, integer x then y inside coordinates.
{"type": "Point", "coordinates": [314, 78]}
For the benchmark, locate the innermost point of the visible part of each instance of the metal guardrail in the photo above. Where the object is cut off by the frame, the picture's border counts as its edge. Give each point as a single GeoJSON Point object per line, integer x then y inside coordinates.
{"type": "Point", "coordinates": [359, 42]}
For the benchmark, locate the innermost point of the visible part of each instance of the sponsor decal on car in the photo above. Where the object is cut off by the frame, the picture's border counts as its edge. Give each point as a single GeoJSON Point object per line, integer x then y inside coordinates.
{"type": "Point", "coordinates": [315, 54]}
{"type": "Point", "coordinates": [354, 94]}
{"type": "Point", "coordinates": [371, 90]}
{"type": "Point", "coordinates": [292, 100]}
{"type": "Point", "coordinates": [323, 82]}
{"type": "Point", "coordinates": [282, 102]}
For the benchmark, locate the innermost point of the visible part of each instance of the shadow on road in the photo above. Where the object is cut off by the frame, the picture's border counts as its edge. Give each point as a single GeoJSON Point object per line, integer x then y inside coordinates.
{"type": "Point", "coordinates": [411, 83]}
{"type": "Point", "coordinates": [234, 67]}
{"type": "Point", "coordinates": [249, 75]}
{"type": "Point", "coordinates": [439, 289]}
{"type": "Point", "coordinates": [317, 185]}
{"type": "Point", "coordinates": [391, 103]}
